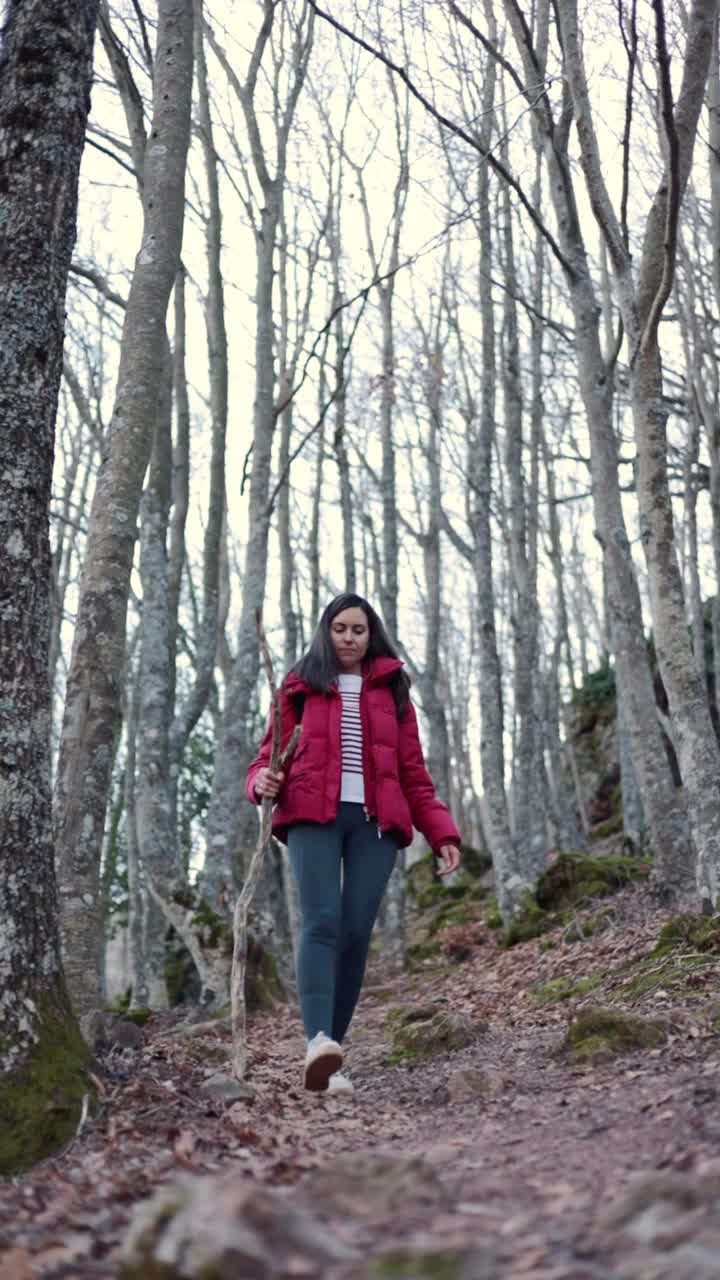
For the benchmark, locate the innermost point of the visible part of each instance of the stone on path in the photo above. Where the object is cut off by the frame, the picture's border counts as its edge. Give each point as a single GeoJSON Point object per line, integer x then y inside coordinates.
{"type": "Point", "coordinates": [666, 1227]}
{"type": "Point", "coordinates": [373, 1184]}
{"type": "Point", "coordinates": [223, 1228]}
{"type": "Point", "coordinates": [225, 1088]}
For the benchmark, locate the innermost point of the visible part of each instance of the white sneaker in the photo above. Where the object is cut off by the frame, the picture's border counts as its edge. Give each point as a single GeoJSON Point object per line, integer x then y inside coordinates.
{"type": "Point", "coordinates": [323, 1058]}
{"type": "Point", "coordinates": [338, 1083]}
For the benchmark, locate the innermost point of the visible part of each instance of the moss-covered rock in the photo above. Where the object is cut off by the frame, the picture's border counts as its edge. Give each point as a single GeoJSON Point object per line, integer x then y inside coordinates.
{"type": "Point", "coordinates": [41, 1102]}
{"type": "Point", "coordinates": [220, 1228]}
{"type": "Point", "coordinates": [139, 1016]}
{"type": "Point", "coordinates": [596, 1034]}
{"type": "Point", "coordinates": [419, 955]}
{"type": "Point", "coordinates": [571, 882]}
{"type": "Point", "coordinates": [404, 1014]}
{"type": "Point", "coordinates": [575, 878]}
{"type": "Point", "coordinates": [413, 1037]}
{"type": "Point", "coordinates": [475, 862]}
{"type": "Point", "coordinates": [451, 913]}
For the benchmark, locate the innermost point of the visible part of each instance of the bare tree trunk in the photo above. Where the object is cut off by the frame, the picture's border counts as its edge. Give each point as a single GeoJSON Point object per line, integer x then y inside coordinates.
{"type": "Point", "coordinates": [229, 821]}
{"type": "Point", "coordinates": [530, 850]}
{"type": "Point", "coordinates": [45, 77]}
{"type": "Point", "coordinates": [642, 303]}
{"type": "Point", "coordinates": [207, 641]}
{"type": "Point", "coordinates": [692, 568]}
{"type": "Point", "coordinates": [632, 810]}
{"type": "Point", "coordinates": [157, 846]}
{"type": "Point", "coordinates": [92, 707]}
{"type": "Point", "coordinates": [712, 414]}
{"type": "Point", "coordinates": [137, 895]}
{"type": "Point", "coordinates": [664, 809]}
{"type": "Point", "coordinates": [334, 236]}
{"type": "Point", "coordinates": [386, 294]}
{"type": "Point", "coordinates": [481, 440]}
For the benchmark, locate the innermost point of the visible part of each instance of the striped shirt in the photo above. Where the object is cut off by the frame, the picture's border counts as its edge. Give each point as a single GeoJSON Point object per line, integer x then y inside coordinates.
{"type": "Point", "coordinates": [353, 786]}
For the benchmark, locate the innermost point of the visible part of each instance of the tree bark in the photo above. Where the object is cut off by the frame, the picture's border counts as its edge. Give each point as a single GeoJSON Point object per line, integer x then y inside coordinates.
{"type": "Point", "coordinates": [642, 301]}
{"type": "Point", "coordinates": [481, 441]}
{"type": "Point", "coordinates": [45, 76]}
{"type": "Point", "coordinates": [92, 706]}
{"type": "Point", "coordinates": [229, 821]}
{"type": "Point", "coordinates": [664, 809]}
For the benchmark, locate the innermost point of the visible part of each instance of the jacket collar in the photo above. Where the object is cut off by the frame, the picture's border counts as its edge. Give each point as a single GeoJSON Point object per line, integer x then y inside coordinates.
{"type": "Point", "coordinates": [381, 670]}
{"type": "Point", "coordinates": [376, 671]}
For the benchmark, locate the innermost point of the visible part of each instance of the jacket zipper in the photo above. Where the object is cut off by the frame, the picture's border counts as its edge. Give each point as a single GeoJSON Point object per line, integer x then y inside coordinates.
{"type": "Point", "coordinates": [365, 724]}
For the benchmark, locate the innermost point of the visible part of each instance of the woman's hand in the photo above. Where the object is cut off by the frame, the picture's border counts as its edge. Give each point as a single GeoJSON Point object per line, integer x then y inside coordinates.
{"type": "Point", "coordinates": [449, 855]}
{"type": "Point", "coordinates": [268, 784]}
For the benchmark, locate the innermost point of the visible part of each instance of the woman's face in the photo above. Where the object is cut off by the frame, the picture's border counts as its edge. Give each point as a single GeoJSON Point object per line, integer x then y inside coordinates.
{"type": "Point", "coordinates": [350, 637]}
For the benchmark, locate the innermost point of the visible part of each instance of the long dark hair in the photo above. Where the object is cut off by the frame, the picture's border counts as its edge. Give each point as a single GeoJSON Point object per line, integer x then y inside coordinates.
{"type": "Point", "coordinates": [319, 666]}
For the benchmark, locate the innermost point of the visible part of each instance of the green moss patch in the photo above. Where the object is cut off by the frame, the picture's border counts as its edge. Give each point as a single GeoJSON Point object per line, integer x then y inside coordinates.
{"type": "Point", "coordinates": [419, 954]}
{"type": "Point", "coordinates": [454, 913]}
{"type": "Point", "coordinates": [573, 881]}
{"type": "Point", "coordinates": [575, 878]}
{"type": "Point", "coordinates": [599, 1033]}
{"type": "Point", "coordinates": [401, 1264]}
{"type": "Point", "coordinates": [139, 1016]}
{"type": "Point", "coordinates": [40, 1103]}
{"type": "Point", "coordinates": [580, 929]}
{"type": "Point", "coordinates": [564, 988]}
{"type": "Point", "coordinates": [414, 1035]}
{"type": "Point", "coordinates": [690, 932]}
{"type": "Point", "coordinates": [529, 921]}
{"type": "Point", "coordinates": [683, 961]}
{"type": "Point", "coordinates": [611, 826]}
{"type": "Point", "coordinates": [493, 918]}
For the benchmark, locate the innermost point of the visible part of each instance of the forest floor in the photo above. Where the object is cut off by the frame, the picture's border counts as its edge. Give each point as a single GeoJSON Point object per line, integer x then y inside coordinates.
{"type": "Point", "coordinates": [503, 1159]}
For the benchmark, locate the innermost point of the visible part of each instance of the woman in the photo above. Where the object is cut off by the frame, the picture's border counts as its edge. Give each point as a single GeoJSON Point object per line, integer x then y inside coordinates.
{"type": "Point", "coordinates": [355, 786]}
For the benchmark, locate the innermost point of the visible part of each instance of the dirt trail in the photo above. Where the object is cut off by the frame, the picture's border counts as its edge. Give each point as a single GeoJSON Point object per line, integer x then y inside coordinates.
{"type": "Point", "coordinates": [501, 1160]}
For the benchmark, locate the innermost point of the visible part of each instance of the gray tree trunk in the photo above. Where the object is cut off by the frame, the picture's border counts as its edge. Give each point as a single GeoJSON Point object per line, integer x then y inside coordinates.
{"type": "Point", "coordinates": [92, 706]}
{"type": "Point", "coordinates": [523, 516]}
{"type": "Point", "coordinates": [642, 301]}
{"type": "Point", "coordinates": [664, 809]}
{"type": "Point", "coordinates": [137, 893]}
{"type": "Point", "coordinates": [155, 819]}
{"type": "Point", "coordinates": [481, 443]}
{"type": "Point", "coordinates": [711, 415]}
{"type": "Point", "coordinates": [217, 349]}
{"type": "Point", "coordinates": [231, 825]}
{"type": "Point", "coordinates": [45, 77]}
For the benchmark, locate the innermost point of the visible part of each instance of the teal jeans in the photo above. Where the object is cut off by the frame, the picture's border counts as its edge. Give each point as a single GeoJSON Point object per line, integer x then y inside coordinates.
{"type": "Point", "coordinates": [341, 869]}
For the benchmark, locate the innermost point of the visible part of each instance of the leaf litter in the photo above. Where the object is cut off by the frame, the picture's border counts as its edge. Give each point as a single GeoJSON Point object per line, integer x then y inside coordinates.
{"type": "Point", "coordinates": [505, 1144]}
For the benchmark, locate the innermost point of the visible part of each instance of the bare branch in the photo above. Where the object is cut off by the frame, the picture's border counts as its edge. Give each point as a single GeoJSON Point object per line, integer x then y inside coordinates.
{"type": "Point", "coordinates": [144, 35]}
{"type": "Point", "coordinates": [671, 178]}
{"type": "Point", "coordinates": [98, 280]}
{"type": "Point", "coordinates": [488, 156]}
{"type": "Point", "coordinates": [631, 50]}
{"type": "Point", "coordinates": [128, 90]}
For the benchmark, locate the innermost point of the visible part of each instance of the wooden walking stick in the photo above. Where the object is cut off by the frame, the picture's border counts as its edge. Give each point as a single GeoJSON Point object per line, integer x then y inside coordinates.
{"type": "Point", "coordinates": [240, 917]}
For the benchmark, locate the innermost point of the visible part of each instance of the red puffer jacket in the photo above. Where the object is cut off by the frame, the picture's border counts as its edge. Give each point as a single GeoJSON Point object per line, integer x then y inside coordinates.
{"type": "Point", "coordinates": [399, 791]}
